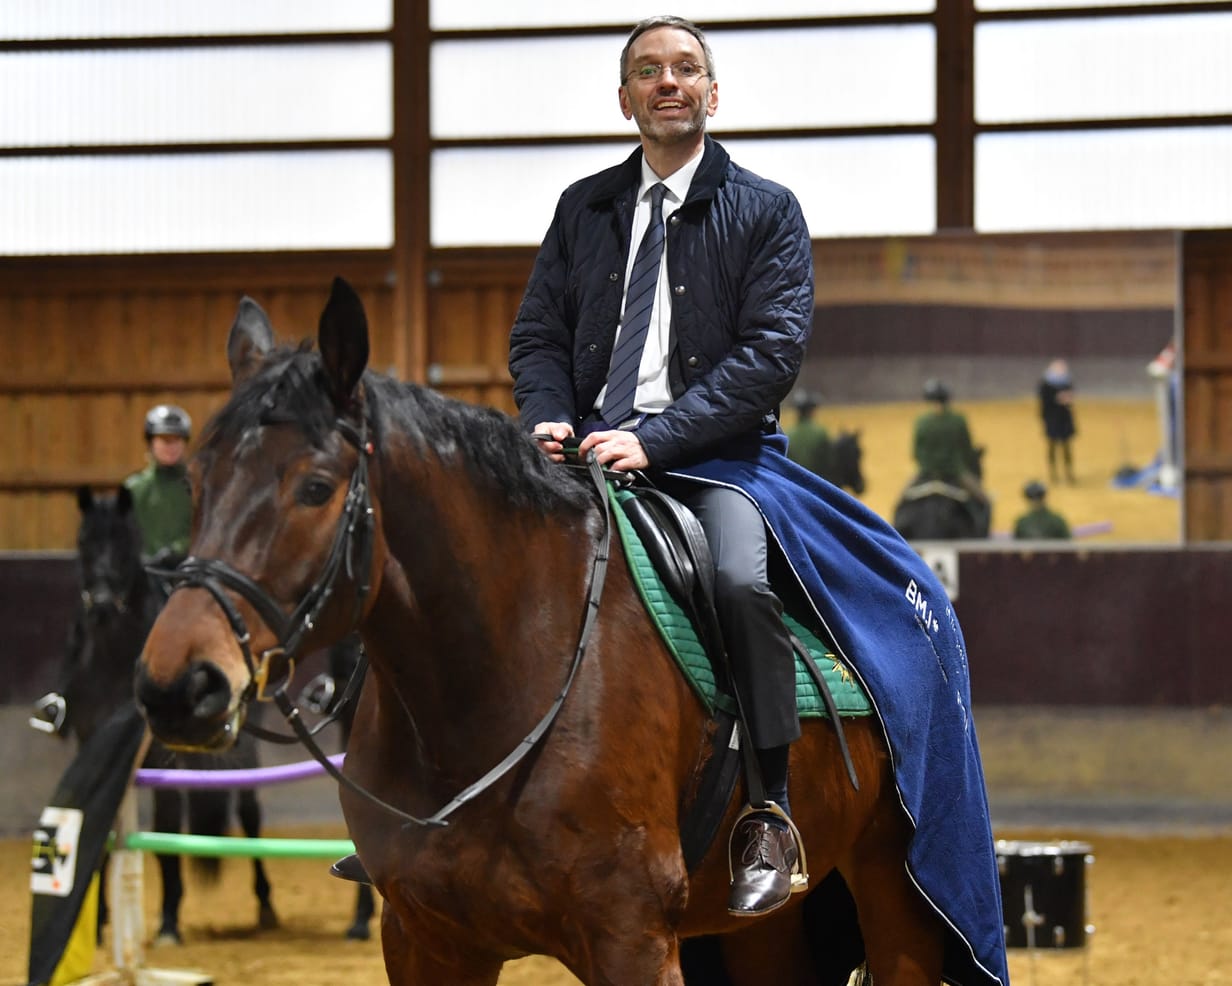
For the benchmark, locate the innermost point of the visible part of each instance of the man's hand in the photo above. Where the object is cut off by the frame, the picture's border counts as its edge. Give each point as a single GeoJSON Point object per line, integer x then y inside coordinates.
{"type": "Point", "coordinates": [559, 430]}
{"type": "Point", "coordinates": [619, 451]}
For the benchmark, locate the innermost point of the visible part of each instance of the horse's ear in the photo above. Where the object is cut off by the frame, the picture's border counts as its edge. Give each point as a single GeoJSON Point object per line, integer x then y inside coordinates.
{"type": "Point", "coordinates": [85, 499]}
{"type": "Point", "coordinates": [343, 340]}
{"type": "Point", "coordinates": [251, 338]}
{"type": "Point", "coordinates": [124, 500]}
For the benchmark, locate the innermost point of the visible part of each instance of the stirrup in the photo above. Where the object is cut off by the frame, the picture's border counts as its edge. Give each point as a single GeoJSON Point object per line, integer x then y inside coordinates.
{"type": "Point", "coordinates": [799, 870]}
{"type": "Point", "coordinates": [350, 868]}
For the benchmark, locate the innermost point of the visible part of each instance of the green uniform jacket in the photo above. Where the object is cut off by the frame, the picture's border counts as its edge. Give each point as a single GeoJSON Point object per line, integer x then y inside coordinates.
{"type": "Point", "coordinates": [1040, 524]}
{"type": "Point", "coordinates": [942, 446]}
{"type": "Point", "coordinates": [162, 502]}
{"type": "Point", "coordinates": [808, 443]}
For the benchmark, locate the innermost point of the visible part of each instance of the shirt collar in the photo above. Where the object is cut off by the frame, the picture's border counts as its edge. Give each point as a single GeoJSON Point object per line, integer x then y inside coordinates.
{"type": "Point", "coordinates": [677, 182]}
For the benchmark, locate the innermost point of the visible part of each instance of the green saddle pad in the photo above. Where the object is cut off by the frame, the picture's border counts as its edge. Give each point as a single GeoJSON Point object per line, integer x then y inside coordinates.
{"type": "Point", "coordinates": [686, 647]}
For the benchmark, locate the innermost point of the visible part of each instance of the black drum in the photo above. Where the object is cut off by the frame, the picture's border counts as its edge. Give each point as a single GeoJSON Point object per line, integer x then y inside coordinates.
{"type": "Point", "coordinates": [1043, 893]}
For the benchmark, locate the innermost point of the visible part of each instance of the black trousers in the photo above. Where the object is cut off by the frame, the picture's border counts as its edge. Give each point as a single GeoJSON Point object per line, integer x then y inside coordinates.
{"type": "Point", "coordinates": [750, 614]}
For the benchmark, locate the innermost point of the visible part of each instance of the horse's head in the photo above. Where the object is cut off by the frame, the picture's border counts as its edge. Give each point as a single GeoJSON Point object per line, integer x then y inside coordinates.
{"type": "Point", "coordinates": [108, 553]}
{"type": "Point", "coordinates": [846, 455]}
{"type": "Point", "coordinates": [284, 545]}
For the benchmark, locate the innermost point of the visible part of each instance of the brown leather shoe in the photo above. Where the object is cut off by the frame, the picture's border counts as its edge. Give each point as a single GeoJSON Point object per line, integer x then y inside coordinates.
{"type": "Point", "coordinates": [761, 874]}
{"type": "Point", "coordinates": [350, 868]}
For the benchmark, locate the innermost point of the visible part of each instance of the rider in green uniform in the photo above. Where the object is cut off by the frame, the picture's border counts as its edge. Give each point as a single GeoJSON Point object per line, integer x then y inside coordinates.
{"type": "Point", "coordinates": [162, 504]}
{"type": "Point", "coordinates": [808, 442]}
{"type": "Point", "coordinates": [1040, 523]}
{"type": "Point", "coordinates": [943, 449]}
{"type": "Point", "coordinates": [162, 500]}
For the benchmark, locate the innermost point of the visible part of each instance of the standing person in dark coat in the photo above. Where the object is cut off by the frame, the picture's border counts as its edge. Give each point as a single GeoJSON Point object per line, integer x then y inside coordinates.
{"type": "Point", "coordinates": [665, 320]}
{"type": "Point", "coordinates": [1056, 397]}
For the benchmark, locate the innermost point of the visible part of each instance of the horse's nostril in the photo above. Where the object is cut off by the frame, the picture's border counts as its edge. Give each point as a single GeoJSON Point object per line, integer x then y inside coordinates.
{"type": "Point", "coordinates": [191, 710]}
{"type": "Point", "coordinates": [209, 692]}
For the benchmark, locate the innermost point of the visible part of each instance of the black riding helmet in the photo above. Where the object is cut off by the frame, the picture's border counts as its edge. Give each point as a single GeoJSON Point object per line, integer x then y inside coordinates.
{"type": "Point", "coordinates": [1034, 490]}
{"type": "Point", "coordinates": [167, 419]}
{"type": "Point", "coordinates": [935, 390]}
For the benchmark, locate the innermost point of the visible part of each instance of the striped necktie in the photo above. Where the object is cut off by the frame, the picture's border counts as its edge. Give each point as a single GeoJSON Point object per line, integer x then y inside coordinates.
{"type": "Point", "coordinates": [639, 301]}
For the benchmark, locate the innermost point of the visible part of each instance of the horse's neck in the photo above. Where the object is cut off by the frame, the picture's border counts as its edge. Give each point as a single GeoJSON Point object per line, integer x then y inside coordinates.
{"type": "Point", "coordinates": [474, 620]}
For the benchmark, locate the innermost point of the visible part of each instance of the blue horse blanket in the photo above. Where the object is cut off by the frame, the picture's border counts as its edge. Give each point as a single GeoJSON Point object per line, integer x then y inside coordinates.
{"type": "Point", "coordinates": [893, 624]}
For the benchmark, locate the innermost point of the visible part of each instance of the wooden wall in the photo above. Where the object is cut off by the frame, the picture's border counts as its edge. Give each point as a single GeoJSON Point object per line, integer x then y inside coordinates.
{"type": "Point", "coordinates": [1207, 391]}
{"type": "Point", "coordinates": [87, 345]}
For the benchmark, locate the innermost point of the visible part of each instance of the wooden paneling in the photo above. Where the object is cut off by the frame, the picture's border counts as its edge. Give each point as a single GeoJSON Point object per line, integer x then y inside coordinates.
{"type": "Point", "coordinates": [1074, 628]}
{"type": "Point", "coordinates": [1207, 375]}
{"type": "Point", "coordinates": [472, 301]}
{"type": "Point", "coordinates": [1114, 627]}
{"type": "Point", "coordinates": [87, 347]}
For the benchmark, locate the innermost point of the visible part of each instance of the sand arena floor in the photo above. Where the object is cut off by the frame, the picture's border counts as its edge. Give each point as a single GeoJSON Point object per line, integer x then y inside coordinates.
{"type": "Point", "coordinates": [1161, 908]}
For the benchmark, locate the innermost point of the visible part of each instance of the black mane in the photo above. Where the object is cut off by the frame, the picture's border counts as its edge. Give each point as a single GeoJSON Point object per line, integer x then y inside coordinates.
{"type": "Point", "coordinates": [291, 387]}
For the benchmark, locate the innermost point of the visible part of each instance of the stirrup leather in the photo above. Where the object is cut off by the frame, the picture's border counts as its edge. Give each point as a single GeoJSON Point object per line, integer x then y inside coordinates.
{"type": "Point", "coordinates": [799, 870]}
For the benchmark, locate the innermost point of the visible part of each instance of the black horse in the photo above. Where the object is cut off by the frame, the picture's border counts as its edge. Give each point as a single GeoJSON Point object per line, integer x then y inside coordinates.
{"type": "Point", "coordinates": [119, 602]}
{"type": "Point", "coordinates": [932, 509]}
{"type": "Point", "coordinates": [327, 695]}
{"type": "Point", "coordinates": [843, 462]}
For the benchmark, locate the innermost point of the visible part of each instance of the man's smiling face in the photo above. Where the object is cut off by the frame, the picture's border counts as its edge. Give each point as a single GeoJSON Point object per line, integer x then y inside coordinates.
{"type": "Point", "coordinates": [668, 109]}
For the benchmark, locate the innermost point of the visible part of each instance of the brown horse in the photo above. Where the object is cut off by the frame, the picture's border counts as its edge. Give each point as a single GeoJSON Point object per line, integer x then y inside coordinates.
{"type": "Point", "coordinates": [467, 561]}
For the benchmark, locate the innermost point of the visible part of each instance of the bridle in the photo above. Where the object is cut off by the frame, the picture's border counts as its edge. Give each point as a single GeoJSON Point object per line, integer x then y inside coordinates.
{"type": "Point", "coordinates": [352, 548]}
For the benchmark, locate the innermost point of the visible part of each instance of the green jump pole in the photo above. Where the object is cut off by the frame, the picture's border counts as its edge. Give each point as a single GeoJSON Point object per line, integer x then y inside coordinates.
{"type": "Point", "coordinates": [172, 844]}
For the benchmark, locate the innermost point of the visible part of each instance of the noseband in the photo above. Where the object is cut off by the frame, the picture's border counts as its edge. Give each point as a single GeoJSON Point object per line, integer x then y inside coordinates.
{"type": "Point", "coordinates": [351, 549]}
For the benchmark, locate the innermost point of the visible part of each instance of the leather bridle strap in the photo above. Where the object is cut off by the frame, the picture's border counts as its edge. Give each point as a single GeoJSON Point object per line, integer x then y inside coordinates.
{"type": "Point", "coordinates": [351, 547]}
{"type": "Point", "coordinates": [531, 740]}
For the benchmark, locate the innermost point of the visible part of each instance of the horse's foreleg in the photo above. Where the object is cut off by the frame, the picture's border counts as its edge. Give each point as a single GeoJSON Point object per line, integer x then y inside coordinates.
{"type": "Point", "coordinates": [903, 938]}
{"type": "Point", "coordinates": [250, 822]}
{"type": "Point", "coordinates": [168, 817]}
{"type": "Point", "coordinates": [430, 960]}
{"type": "Point", "coordinates": [365, 907]}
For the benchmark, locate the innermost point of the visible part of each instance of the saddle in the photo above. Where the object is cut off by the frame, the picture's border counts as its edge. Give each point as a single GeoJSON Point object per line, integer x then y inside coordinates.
{"type": "Point", "coordinates": [675, 547]}
{"type": "Point", "coordinates": [935, 487]}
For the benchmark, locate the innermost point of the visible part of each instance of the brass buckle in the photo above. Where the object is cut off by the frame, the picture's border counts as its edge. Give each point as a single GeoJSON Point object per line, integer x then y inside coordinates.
{"type": "Point", "coordinates": [261, 675]}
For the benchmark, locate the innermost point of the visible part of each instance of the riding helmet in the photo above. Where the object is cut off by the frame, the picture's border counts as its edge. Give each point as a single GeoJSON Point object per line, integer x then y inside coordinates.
{"type": "Point", "coordinates": [1034, 490]}
{"type": "Point", "coordinates": [167, 419]}
{"type": "Point", "coordinates": [804, 399]}
{"type": "Point", "coordinates": [935, 390]}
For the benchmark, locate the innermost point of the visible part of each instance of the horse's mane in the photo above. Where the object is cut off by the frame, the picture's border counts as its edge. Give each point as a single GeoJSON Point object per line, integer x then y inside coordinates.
{"type": "Point", "coordinates": [291, 387]}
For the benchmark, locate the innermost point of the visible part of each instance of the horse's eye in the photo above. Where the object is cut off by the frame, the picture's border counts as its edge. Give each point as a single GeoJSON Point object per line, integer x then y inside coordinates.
{"type": "Point", "coordinates": [314, 492]}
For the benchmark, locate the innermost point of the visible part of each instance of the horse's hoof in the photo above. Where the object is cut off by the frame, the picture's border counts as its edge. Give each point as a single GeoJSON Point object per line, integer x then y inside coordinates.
{"type": "Point", "coordinates": [268, 920]}
{"type": "Point", "coordinates": [167, 938]}
{"type": "Point", "coordinates": [358, 932]}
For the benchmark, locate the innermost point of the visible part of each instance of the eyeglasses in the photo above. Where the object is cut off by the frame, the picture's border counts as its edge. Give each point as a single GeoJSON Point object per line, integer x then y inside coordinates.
{"type": "Point", "coordinates": [685, 73]}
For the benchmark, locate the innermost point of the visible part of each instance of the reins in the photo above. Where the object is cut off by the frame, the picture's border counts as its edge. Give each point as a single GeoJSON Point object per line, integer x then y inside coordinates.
{"type": "Point", "coordinates": [216, 576]}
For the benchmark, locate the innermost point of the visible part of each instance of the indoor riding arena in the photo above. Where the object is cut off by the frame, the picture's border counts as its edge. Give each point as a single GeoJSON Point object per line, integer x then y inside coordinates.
{"type": "Point", "coordinates": [974, 234]}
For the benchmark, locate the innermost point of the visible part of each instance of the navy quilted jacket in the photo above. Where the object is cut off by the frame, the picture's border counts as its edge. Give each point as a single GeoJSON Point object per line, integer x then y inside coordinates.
{"type": "Point", "coordinates": [740, 267]}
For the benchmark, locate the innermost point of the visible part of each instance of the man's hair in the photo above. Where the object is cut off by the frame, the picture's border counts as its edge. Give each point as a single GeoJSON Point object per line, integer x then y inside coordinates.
{"type": "Point", "coordinates": [666, 20]}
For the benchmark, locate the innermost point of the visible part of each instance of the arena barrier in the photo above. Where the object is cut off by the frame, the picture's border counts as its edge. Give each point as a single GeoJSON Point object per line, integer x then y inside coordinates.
{"type": "Point", "coordinates": [125, 883]}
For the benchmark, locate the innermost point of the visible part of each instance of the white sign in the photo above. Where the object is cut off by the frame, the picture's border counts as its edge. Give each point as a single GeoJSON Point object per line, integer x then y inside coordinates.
{"type": "Point", "coordinates": [944, 563]}
{"type": "Point", "coordinates": [55, 851]}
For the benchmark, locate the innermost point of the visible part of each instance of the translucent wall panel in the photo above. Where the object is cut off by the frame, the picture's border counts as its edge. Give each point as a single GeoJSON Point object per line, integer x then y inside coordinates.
{"type": "Point", "coordinates": [847, 187]}
{"type": "Point", "coordinates": [288, 201]}
{"type": "Point", "coordinates": [28, 19]}
{"type": "Point", "coordinates": [1104, 67]}
{"type": "Point", "coordinates": [469, 14]}
{"type": "Point", "coordinates": [186, 96]}
{"type": "Point", "coordinates": [767, 80]}
{"type": "Point", "coordinates": [1104, 180]}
